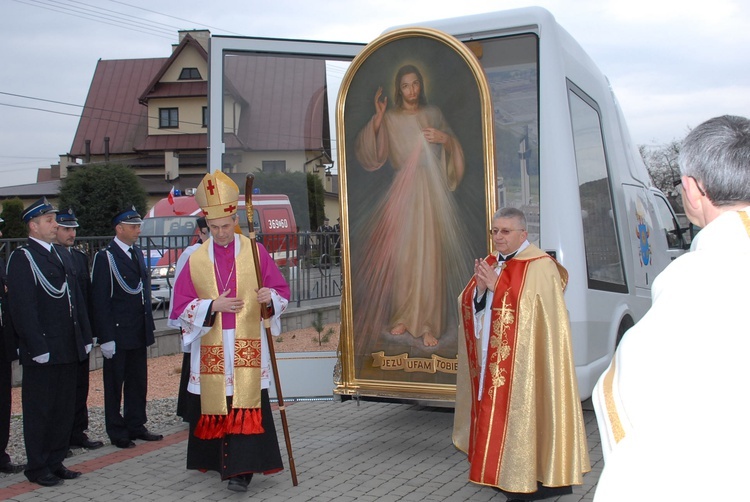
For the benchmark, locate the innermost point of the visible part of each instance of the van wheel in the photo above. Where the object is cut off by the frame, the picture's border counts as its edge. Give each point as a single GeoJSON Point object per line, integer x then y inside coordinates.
{"type": "Point", "coordinates": [625, 324]}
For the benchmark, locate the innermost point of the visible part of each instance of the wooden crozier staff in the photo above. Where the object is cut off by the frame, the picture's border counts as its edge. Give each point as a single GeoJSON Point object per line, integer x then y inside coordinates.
{"type": "Point", "coordinates": [267, 324]}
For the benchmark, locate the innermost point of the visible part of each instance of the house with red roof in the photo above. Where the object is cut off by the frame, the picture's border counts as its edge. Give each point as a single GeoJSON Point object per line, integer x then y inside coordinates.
{"type": "Point", "coordinates": [152, 114]}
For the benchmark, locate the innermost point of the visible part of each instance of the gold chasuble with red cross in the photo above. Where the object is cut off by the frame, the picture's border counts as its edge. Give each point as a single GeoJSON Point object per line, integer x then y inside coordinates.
{"type": "Point", "coordinates": [245, 417]}
{"type": "Point", "coordinates": [528, 425]}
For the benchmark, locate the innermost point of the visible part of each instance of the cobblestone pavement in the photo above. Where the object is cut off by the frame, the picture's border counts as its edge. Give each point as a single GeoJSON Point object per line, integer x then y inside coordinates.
{"type": "Point", "coordinates": [343, 451]}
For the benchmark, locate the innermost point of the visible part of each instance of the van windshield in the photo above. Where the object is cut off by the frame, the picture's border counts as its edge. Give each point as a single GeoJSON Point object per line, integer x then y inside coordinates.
{"type": "Point", "coordinates": [168, 225]}
{"type": "Point", "coordinates": [176, 229]}
{"type": "Point", "coordinates": [159, 226]}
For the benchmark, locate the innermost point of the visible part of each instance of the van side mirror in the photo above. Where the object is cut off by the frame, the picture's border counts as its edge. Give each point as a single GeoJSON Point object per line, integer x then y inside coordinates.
{"type": "Point", "coordinates": [689, 234]}
{"type": "Point", "coordinates": [686, 236]}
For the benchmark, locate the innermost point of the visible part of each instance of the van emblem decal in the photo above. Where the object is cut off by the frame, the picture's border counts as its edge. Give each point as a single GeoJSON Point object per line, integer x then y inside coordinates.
{"type": "Point", "coordinates": [642, 233]}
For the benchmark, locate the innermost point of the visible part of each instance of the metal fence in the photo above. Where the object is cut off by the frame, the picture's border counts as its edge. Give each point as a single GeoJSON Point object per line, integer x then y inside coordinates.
{"type": "Point", "coordinates": [312, 267]}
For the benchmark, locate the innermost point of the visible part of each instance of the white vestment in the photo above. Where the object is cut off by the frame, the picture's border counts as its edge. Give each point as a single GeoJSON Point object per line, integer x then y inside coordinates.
{"type": "Point", "coordinates": [181, 261]}
{"type": "Point", "coordinates": [672, 406]}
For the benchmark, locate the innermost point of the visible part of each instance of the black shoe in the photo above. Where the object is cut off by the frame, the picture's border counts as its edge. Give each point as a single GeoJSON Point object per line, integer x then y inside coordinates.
{"type": "Point", "coordinates": [123, 443]}
{"type": "Point", "coordinates": [48, 480]}
{"type": "Point", "coordinates": [11, 468]}
{"type": "Point", "coordinates": [89, 444]}
{"type": "Point", "coordinates": [65, 473]}
{"type": "Point", "coordinates": [148, 436]}
{"type": "Point", "coordinates": [239, 483]}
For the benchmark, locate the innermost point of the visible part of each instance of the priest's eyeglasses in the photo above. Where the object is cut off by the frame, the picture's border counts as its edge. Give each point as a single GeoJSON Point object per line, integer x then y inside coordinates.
{"type": "Point", "coordinates": [505, 231]}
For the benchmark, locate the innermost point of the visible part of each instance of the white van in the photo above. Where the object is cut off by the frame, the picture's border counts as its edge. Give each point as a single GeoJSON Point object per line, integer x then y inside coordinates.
{"type": "Point", "coordinates": [598, 211]}
{"type": "Point", "coordinates": [563, 155]}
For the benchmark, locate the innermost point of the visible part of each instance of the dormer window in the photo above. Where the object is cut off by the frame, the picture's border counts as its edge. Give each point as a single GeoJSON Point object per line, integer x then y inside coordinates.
{"type": "Point", "coordinates": [190, 74]}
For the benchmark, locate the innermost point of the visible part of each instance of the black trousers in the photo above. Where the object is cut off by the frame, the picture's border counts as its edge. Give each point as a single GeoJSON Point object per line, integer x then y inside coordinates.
{"type": "Point", "coordinates": [48, 395]}
{"type": "Point", "coordinates": [126, 382]}
{"type": "Point", "coordinates": [6, 377]}
{"type": "Point", "coordinates": [81, 413]}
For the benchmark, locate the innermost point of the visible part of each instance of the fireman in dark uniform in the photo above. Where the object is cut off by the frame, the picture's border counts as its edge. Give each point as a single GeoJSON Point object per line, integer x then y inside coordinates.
{"type": "Point", "coordinates": [49, 314]}
{"type": "Point", "coordinates": [124, 324]}
{"type": "Point", "coordinates": [66, 236]}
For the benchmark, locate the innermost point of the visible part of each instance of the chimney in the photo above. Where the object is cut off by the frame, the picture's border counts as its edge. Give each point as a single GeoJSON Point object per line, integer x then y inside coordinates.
{"type": "Point", "coordinates": [87, 158]}
{"type": "Point", "coordinates": [106, 148]}
{"type": "Point", "coordinates": [200, 36]}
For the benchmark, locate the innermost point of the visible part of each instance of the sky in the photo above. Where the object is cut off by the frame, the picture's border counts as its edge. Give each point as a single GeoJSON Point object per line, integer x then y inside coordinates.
{"type": "Point", "coordinates": [671, 63]}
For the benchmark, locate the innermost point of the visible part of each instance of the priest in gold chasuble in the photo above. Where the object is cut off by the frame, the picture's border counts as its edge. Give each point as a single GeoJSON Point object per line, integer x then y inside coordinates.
{"type": "Point", "coordinates": [217, 304]}
{"type": "Point", "coordinates": [518, 412]}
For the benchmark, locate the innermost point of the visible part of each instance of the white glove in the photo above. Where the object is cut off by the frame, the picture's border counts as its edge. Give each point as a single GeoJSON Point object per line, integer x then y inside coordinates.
{"type": "Point", "coordinates": [88, 348]}
{"type": "Point", "coordinates": [44, 358]}
{"type": "Point", "coordinates": [108, 349]}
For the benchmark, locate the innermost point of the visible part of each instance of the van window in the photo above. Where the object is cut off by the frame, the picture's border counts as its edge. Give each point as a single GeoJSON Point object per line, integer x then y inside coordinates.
{"type": "Point", "coordinates": [512, 70]}
{"type": "Point", "coordinates": [668, 224]}
{"type": "Point", "coordinates": [242, 219]}
{"type": "Point", "coordinates": [603, 254]}
{"type": "Point", "coordinates": [175, 228]}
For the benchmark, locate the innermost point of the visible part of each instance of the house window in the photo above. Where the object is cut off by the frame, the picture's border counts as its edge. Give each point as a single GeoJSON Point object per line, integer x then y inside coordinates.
{"type": "Point", "coordinates": [204, 120]}
{"type": "Point", "coordinates": [190, 74]}
{"type": "Point", "coordinates": [274, 166]}
{"type": "Point", "coordinates": [168, 118]}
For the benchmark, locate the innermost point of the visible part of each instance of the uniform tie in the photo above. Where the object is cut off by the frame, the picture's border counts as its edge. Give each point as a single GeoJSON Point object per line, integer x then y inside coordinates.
{"type": "Point", "coordinates": [134, 257]}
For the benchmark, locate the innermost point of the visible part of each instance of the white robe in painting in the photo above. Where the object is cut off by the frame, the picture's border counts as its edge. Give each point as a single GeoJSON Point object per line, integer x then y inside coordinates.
{"type": "Point", "coordinates": [413, 242]}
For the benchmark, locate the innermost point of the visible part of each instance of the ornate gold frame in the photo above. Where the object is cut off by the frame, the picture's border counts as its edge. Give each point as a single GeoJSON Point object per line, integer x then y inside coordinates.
{"type": "Point", "coordinates": [348, 384]}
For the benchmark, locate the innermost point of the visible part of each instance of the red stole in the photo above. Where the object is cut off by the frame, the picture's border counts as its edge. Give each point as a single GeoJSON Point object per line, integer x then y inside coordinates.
{"type": "Point", "coordinates": [489, 417]}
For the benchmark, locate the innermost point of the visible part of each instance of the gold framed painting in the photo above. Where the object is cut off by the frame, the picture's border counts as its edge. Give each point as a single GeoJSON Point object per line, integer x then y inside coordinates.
{"type": "Point", "coordinates": [414, 138]}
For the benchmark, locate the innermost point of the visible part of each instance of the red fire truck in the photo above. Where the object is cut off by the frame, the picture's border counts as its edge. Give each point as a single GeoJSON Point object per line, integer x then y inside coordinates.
{"type": "Point", "coordinates": [170, 226]}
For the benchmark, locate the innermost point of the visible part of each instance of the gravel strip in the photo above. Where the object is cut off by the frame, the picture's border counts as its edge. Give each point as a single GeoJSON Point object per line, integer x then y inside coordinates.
{"type": "Point", "coordinates": [160, 413]}
{"type": "Point", "coordinates": [163, 382]}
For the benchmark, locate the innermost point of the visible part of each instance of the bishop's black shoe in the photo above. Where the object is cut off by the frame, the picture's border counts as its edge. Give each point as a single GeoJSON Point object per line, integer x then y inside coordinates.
{"type": "Point", "coordinates": [239, 483]}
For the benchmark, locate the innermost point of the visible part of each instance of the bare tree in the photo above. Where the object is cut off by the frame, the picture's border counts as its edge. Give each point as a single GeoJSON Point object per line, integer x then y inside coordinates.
{"type": "Point", "coordinates": [661, 162]}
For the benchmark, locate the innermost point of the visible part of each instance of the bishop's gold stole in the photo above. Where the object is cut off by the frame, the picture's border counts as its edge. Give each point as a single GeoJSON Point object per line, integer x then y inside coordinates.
{"type": "Point", "coordinates": [244, 417]}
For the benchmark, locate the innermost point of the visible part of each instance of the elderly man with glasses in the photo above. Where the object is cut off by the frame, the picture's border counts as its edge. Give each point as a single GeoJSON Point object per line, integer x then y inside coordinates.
{"type": "Point", "coordinates": [518, 411]}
